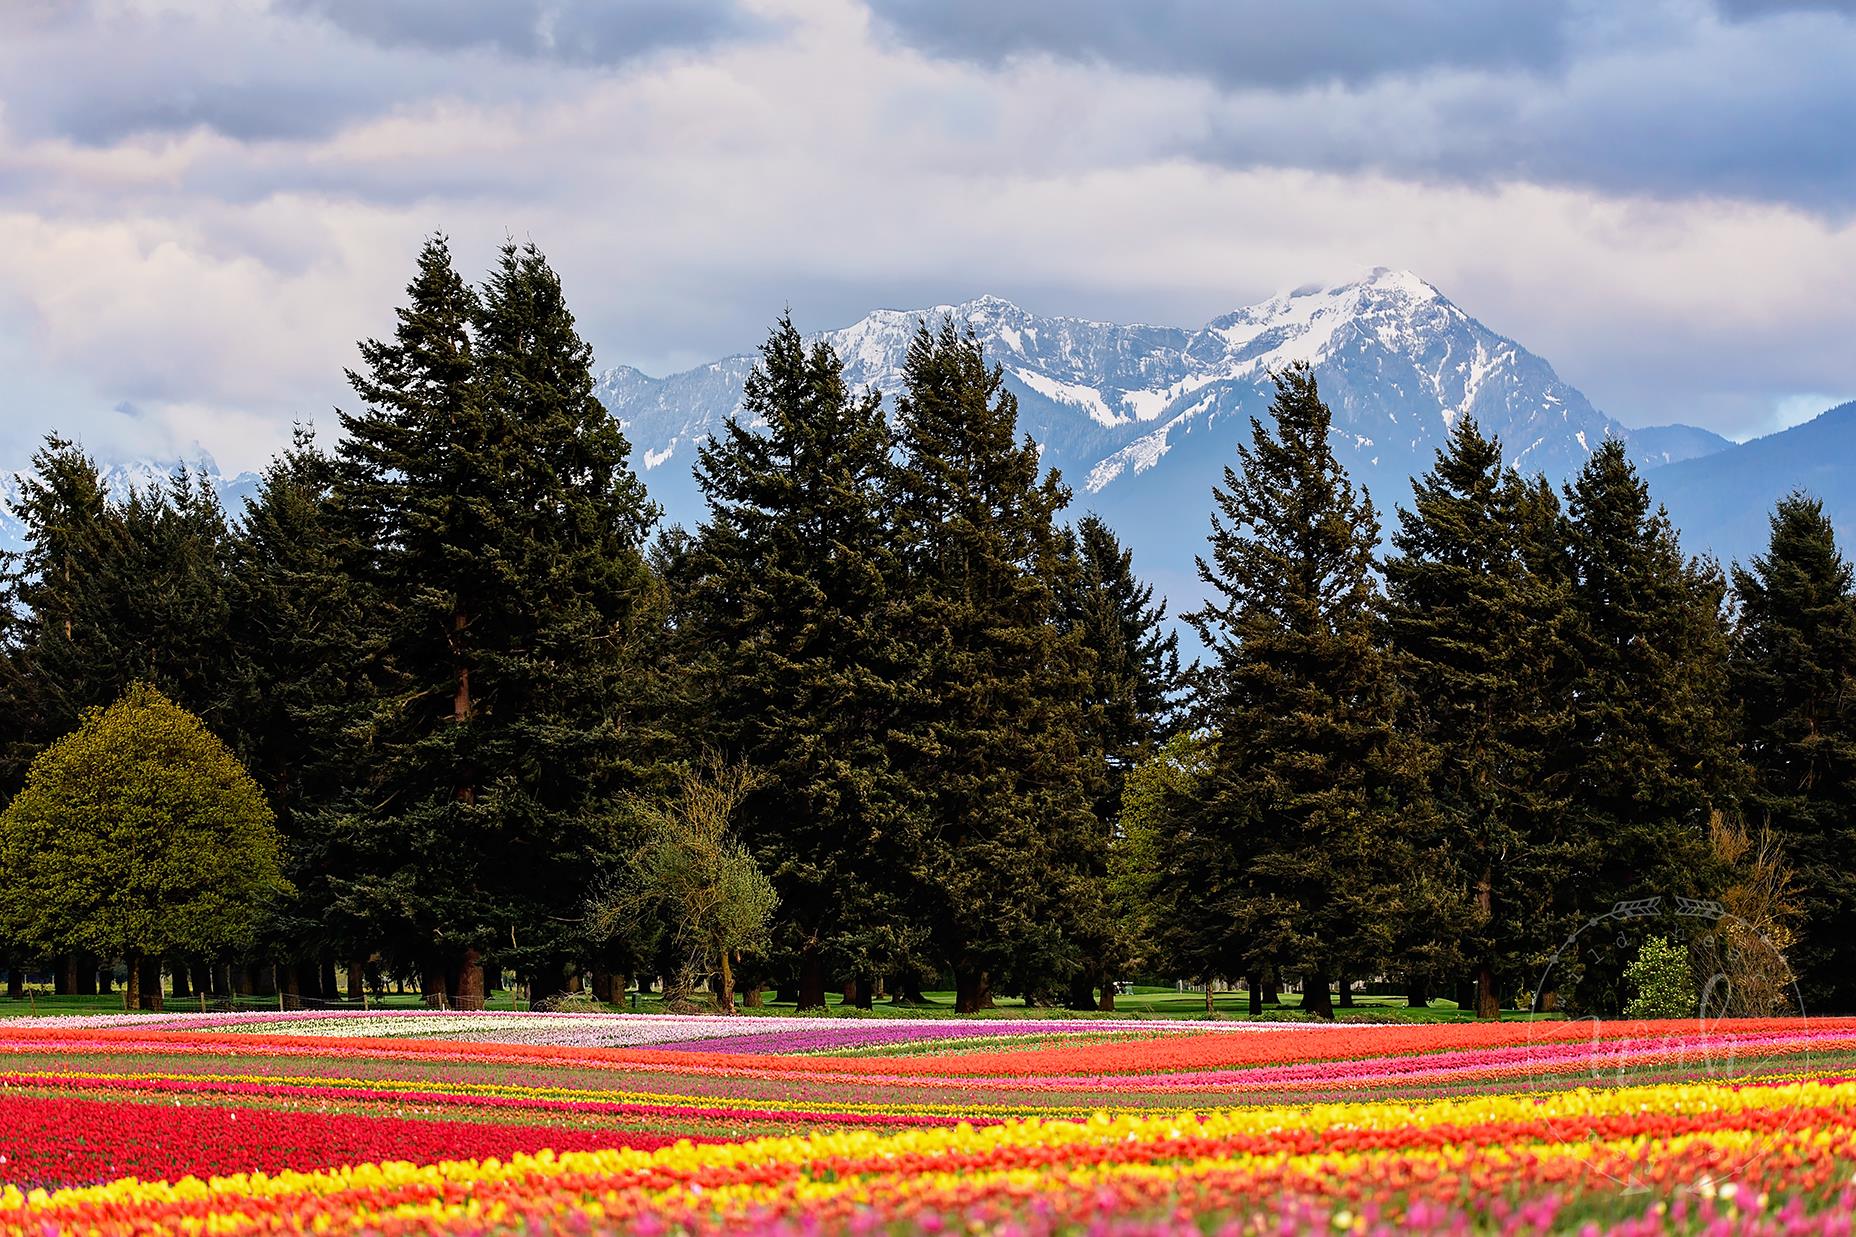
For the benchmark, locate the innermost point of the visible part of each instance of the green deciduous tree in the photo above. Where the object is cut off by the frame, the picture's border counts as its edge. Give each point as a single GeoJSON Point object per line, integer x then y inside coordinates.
{"type": "Point", "coordinates": [138, 835]}
{"type": "Point", "coordinates": [1794, 670]}
{"type": "Point", "coordinates": [1311, 799]}
{"type": "Point", "coordinates": [691, 868]}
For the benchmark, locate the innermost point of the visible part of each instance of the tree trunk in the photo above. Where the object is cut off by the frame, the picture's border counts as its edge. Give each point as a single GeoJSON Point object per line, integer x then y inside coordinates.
{"type": "Point", "coordinates": [290, 985]}
{"type": "Point", "coordinates": [1488, 1004]}
{"type": "Point", "coordinates": [1211, 997]}
{"type": "Point", "coordinates": [727, 995]}
{"type": "Point", "coordinates": [357, 981]}
{"type": "Point", "coordinates": [331, 983]}
{"type": "Point", "coordinates": [972, 990]}
{"type": "Point", "coordinates": [151, 984]}
{"type": "Point", "coordinates": [492, 979]}
{"type": "Point", "coordinates": [432, 984]}
{"type": "Point", "coordinates": [183, 975]}
{"type": "Point", "coordinates": [222, 979]}
{"type": "Point", "coordinates": [1107, 1003]}
{"type": "Point", "coordinates": [1346, 991]}
{"type": "Point", "coordinates": [1316, 999]}
{"type": "Point", "coordinates": [1083, 990]}
{"type": "Point", "coordinates": [1272, 985]}
{"type": "Point", "coordinates": [752, 998]}
{"type": "Point", "coordinates": [467, 992]}
{"type": "Point", "coordinates": [811, 980]}
{"type": "Point", "coordinates": [62, 975]}
{"type": "Point", "coordinates": [15, 981]}
{"type": "Point", "coordinates": [86, 984]}
{"type": "Point", "coordinates": [602, 985]}
{"type": "Point", "coordinates": [106, 977]}
{"type": "Point", "coordinates": [132, 988]}
{"type": "Point", "coordinates": [1254, 981]}
{"type": "Point", "coordinates": [1418, 991]}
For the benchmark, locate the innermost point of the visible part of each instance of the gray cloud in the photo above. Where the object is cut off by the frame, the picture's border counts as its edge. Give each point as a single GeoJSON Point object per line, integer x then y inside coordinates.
{"type": "Point", "coordinates": [207, 206]}
{"type": "Point", "coordinates": [1244, 43]}
{"type": "Point", "coordinates": [307, 68]}
{"type": "Point", "coordinates": [588, 32]}
{"type": "Point", "coordinates": [1670, 98]}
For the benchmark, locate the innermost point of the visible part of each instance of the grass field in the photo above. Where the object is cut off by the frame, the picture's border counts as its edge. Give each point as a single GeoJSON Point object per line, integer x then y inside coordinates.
{"type": "Point", "coordinates": [412, 1121]}
{"type": "Point", "coordinates": [1142, 1002]}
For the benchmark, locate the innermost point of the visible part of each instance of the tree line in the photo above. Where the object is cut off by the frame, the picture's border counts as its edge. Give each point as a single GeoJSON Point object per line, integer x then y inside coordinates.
{"type": "Point", "coordinates": [473, 679]}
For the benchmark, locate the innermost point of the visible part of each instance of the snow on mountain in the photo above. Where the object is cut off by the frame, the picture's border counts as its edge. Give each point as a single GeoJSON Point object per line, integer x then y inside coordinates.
{"type": "Point", "coordinates": [1140, 417]}
{"type": "Point", "coordinates": [1142, 420]}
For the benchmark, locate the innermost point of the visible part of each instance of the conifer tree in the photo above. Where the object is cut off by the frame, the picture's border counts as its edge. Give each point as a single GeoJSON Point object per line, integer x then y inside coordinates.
{"type": "Point", "coordinates": [1650, 750]}
{"type": "Point", "coordinates": [788, 612]}
{"type": "Point", "coordinates": [496, 522]}
{"type": "Point", "coordinates": [63, 511]}
{"type": "Point", "coordinates": [1133, 678]}
{"type": "Point", "coordinates": [112, 589]}
{"type": "Point", "coordinates": [996, 744]}
{"type": "Point", "coordinates": [308, 654]}
{"type": "Point", "coordinates": [1794, 670]}
{"type": "Point", "coordinates": [1309, 790]}
{"type": "Point", "coordinates": [1475, 627]}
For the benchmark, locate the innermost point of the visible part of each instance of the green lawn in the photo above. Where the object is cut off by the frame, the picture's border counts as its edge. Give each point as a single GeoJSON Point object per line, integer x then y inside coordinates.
{"type": "Point", "coordinates": [1143, 1002]}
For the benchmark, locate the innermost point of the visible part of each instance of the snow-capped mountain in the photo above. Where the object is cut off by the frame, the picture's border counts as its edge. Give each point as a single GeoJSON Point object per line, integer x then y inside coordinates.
{"type": "Point", "coordinates": [1142, 419]}
{"type": "Point", "coordinates": [124, 476]}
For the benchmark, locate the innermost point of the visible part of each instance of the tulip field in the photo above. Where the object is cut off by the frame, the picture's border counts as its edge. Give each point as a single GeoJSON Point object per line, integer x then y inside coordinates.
{"type": "Point", "coordinates": [593, 1123]}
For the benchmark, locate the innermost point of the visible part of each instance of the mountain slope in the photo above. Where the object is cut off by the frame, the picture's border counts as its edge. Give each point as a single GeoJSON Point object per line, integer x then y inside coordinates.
{"type": "Point", "coordinates": [1143, 419]}
{"type": "Point", "coordinates": [1721, 502]}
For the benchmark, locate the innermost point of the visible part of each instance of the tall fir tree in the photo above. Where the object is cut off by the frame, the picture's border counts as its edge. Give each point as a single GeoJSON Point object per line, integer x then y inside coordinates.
{"type": "Point", "coordinates": [996, 742]}
{"type": "Point", "coordinates": [1130, 697]}
{"type": "Point", "coordinates": [495, 518]}
{"type": "Point", "coordinates": [64, 514]}
{"type": "Point", "coordinates": [1310, 798]}
{"type": "Point", "coordinates": [1650, 749]}
{"type": "Point", "coordinates": [112, 589]}
{"type": "Point", "coordinates": [1476, 627]}
{"type": "Point", "coordinates": [1794, 670]}
{"type": "Point", "coordinates": [787, 608]}
{"type": "Point", "coordinates": [308, 653]}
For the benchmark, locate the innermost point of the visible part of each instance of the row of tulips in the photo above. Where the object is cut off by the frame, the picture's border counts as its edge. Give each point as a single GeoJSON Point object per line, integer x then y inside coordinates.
{"type": "Point", "coordinates": [1699, 1156]}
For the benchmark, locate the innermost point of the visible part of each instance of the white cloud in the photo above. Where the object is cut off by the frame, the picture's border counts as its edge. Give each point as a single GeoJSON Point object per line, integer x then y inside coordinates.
{"type": "Point", "coordinates": [218, 283]}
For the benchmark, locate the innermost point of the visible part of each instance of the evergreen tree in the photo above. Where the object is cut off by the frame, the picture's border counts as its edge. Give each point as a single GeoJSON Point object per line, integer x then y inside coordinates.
{"type": "Point", "coordinates": [1794, 670]}
{"type": "Point", "coordinates": [110, 590]}
{"type": "Point", "coordinates": [786, 606]}
{"type": "Point", "coordinates": [63, 511]}
{"type": "Point", "coordinates": [1650, 751]}
{"type": "Point", "coordinates": [996, 743]}
{"type": "Point", "coordinates": [1130, 690]}
{"type": "Point", "coordinates": [1307, 804]}
{"type": "Point", "coordinates": [1475, 627]}
{"type": "Point", "coordinates": [308, 657]}
{"type": "Point", "coordinates": [495, 520]}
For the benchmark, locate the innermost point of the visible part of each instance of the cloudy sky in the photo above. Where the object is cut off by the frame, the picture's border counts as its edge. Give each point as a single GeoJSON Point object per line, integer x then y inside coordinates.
{"type": "Point", "coordinates": [204, 203]}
